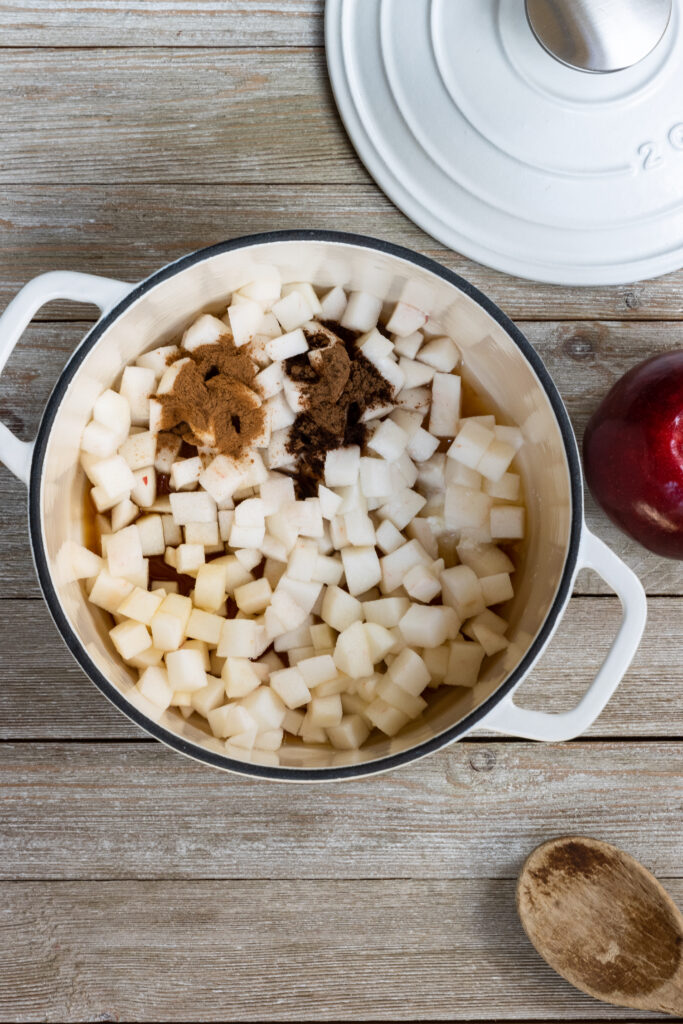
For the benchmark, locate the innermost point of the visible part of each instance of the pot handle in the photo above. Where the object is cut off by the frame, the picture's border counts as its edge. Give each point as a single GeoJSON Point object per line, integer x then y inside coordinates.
{"type": "Point", "coordinates": [506, 717]}
{"type": "Point", "coordinates": [57, 284]}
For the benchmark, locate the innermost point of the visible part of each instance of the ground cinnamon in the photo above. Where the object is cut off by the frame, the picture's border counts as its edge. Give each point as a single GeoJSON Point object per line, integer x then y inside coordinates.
{"type": "Point", "coordinates": [339, 385]}
{"type": "Point", "coordinates": [213, 402]}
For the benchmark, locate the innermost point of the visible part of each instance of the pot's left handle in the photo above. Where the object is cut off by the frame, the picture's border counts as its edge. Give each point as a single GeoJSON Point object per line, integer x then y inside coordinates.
{"type": "Point", "coordinates": [103, 292]}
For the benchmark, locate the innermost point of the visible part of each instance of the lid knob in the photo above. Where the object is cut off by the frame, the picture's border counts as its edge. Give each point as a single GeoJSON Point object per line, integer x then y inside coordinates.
{"type": "Point", "coordinates": [599, 35]}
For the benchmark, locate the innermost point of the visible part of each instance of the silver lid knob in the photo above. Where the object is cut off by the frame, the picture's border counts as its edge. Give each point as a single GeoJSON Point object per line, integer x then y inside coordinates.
{"type": "Point", "coordinates": [599, 35]}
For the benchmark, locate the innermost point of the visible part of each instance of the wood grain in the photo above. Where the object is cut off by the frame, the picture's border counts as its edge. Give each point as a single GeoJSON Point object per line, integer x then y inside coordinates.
{"type": "Point", "coordinates": [138, 810]}
{"type": "Point", "coordinates": [128, 231]}
{"type": "Point", "coordinates": [61, 703]}
{"type": "Point", "coordinates": [584, 359]}
{"type": "Point", "coordinates": [42, 23]}
{"type": "Point", "coordinates": [192, 116]}
{"type": "Point", "coordinates": [333, 950]}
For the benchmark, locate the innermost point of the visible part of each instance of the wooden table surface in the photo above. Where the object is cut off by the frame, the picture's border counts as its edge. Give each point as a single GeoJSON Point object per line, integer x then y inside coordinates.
{"type": "Point", "coordinates": [135, 884]}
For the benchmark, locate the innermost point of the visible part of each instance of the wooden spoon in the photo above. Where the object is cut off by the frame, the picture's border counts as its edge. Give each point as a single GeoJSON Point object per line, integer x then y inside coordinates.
{"type": "Point", "coordinates": [603, 922]}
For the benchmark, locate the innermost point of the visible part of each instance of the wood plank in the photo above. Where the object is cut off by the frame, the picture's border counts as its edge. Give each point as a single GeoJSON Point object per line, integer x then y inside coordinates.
{"type": "Point", "coordinates": [584, 359]}
{"type": "Point", "coordinates": [129, 231]}
{"type": "Point", "coordinates": [61, 703]}
{"type": "Point", "coordinates": [111, 116]}
{"type": "Point", "coordinates": [333, 950]}
{"type": "Point", "coordinates": [109, 23]}
{"type": "Point", "coordinates": [80, 810]}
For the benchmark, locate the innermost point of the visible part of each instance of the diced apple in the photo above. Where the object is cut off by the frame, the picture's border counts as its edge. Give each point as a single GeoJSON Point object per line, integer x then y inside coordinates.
{"type": "Point", "coordinates": [253, 598]}
{"type": "Point", "coordinates": [325, 712]}
{"type": "Point", "coordinates": [113, 411]}
{"type": "Point", "coordinates": [278, 455]}
{"type": "Point", "coordinates": [210, 586]}
{"type": "Point", "coordinates": [271, 380]}
{"type": "Point", "coordinates": [291, 687]}
{"type": "Point", "coordinates": [421, 584]}
{"type": "Point", "coordinates": [280, 416]}
{"type": "Point", "coordinates": [186, 670]}
{"type": "Point", "coordinates": [496, 589]}
{"type": "Point", "coordinates": [153, 685]}
{"type": "Point", "coordinates": [124, 552]}
{"type": "Point", "coordinates": [241, 638]}
{"type": "Point", "coordinates": [185, 473]}
{"type": "Point", "coordinates": [457, 473]}
{"type": "Point", "coordinates": [266, 707]}
{"type": "Point", "coordinates": [140, 605]}
{"type": "Point", "coordinates": [415, 374]}
{"type": "Point", "coordinates": [342, 466]}
{"type": "Point", "coordinates": [312, 733]}
{"type": "Point", "coordinates": [287, 345]}
{"type": "Point", "coordinates": [414, 399]}
{"type": "Point", "coordinates": [245, 319]}
{"type": "Point", "coordinates": [221, 478]}
{"type": "Point", "coordinates": [109, 591]}
{"type": "Point", "coordinates": [189, 557]}
{"type": "Point", "coordinates": [440, 353]}
{"type": "Point", "coordinates": [428, 625]}
{"type": "Point", "coordinates": [436, 662]}
{"type": "Point", "coordinates": [445, 408]}
{"type": "Point", "coordinates": [399, 698]}
{"type": "Point", "coordinates": [507, 522]}
{"type": "Point", "coordinates": [350, 734]}
{"type": "Point", "coordinates": [505, 489]}
{"type": "Point", "coordinates": [206, 330]}
{"type": "Point", "coordinates": [77, 562]}
{"type": "Point", "coordinates": [362, 568]}
{"type": "Point", "coordinates": [384, 717]}
{"type": "Point", "coordinates": [130, 638]}
{"type": "Point", "coordinates": [462, 591]}
{"type": "Point", "coordinates": [158, 359]}
{"type": "Point", "coordinates": [137, 384]}
{"type": "Point", "coordinates": [352, 652]}
{"type": "Point", "coordinates": [292, 311]}
{"type": "Point", "coordinates": [471, 443]}
{"type": "Point", "coordinates": [333, 304]}
{"type": "Point", "coordinates": [167, 448]}
{"type": "Point", "coordinates": [231, 720]}
{"type": "Point", "coordinates": [402, 508]}
{"type": "Point", "coordinates": [464, 663]}
{"type": "Point", "coordinates": [495, 460]}
{"type": "Point", "coordinates": [144, 491]}
{"type": "Point", "coordinates": [464, 507]}
{"type": "Point", "coordinates": [362, 312]}
{"type": "Point", "coordinates": [397, 563]}
{"type": "Point", "coordinates": [409, 671]}
{"type": "Point", "coordinates": [240, 677]}
{"type": "Point", "coordinates": [302, 560]}
{"type": "Point", "coordinates": [340, 610]}
{"type": "Point", "coordinates": [405, 320]}
{"type": "Point", "coordinates": [193, 507]}
{"type": "Point", "coordinates": [209, 697]}
{"type": "Point", "coordinates": [205, 626]}
{"type": "Point", "coordinates": [113, 476]}
{"type": "Point", "coordinates": [169, 622]}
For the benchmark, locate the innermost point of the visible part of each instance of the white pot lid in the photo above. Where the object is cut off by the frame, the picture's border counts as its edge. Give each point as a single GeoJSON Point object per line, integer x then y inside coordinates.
{"type": "Point", "coordinates": [504, 154]}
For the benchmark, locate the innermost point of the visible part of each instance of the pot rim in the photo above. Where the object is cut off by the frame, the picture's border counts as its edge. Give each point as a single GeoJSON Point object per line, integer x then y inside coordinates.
{"type": "Point", "coordinates": [253, 769]}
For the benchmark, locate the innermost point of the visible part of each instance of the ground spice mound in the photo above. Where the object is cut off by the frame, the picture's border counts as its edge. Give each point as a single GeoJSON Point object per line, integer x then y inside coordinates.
{"type": "Point", "coordinates": [213, 401]}
{"type": "Point", "coordinates": [340, 384]}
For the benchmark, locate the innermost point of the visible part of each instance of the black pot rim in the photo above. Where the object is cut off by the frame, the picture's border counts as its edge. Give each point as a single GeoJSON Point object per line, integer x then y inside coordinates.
{"type": "Point", "coordinates": [222, 761]}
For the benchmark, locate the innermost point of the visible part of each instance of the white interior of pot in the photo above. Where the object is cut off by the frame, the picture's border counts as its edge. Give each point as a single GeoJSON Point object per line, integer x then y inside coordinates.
{"type": "Point", "coordinates": [492, 363]}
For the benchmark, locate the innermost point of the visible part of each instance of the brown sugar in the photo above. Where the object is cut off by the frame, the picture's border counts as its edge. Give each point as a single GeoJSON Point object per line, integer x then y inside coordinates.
{"type": "Point", "coordinates": [339, 385]}
{"type": "Point", "coordinates": [213, 401]}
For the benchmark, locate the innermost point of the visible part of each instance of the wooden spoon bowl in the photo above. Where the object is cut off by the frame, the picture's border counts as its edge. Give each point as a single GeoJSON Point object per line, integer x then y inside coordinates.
{"type": "Point", "coordinates": [603, 922]}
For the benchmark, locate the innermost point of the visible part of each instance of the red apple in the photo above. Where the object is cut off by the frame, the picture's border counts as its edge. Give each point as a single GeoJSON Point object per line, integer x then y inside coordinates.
{"type": "Point", "coordinates": [633, 454]}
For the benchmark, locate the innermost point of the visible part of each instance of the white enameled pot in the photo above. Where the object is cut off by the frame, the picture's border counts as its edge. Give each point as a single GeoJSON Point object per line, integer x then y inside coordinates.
{"type": "Point", "coordinates": [497, 360]}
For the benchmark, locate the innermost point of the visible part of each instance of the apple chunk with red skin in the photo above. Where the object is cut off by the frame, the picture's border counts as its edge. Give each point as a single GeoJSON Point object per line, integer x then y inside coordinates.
{"type": "Point", "coordinates": [633, 454]}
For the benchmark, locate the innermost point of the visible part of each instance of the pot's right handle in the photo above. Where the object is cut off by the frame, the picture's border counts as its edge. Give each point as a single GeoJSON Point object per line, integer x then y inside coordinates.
{"type": "Point", "coordinates": [58, 284]}
{"type": "Point", "coordinates": [507, 717]}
